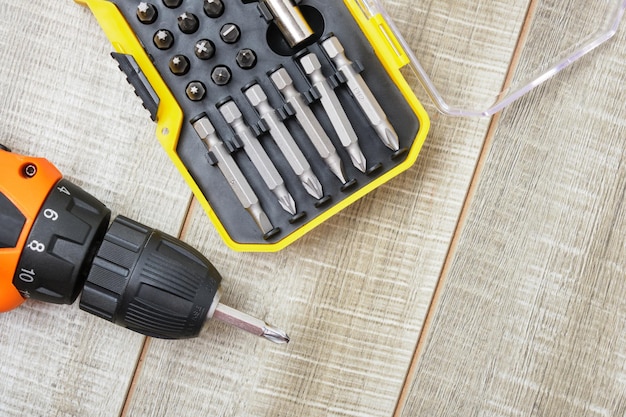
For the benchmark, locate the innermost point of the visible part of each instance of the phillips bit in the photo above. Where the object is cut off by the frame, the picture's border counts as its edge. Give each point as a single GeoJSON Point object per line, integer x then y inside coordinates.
{"type": "Point", "coordinates": [235, 178]}
{"type": "Point", "coordinates": [362, 93]}
{"type": "Point", "coordinates": [309, 122]}
{"type": "Point", "coordinates": [258, 156]}
{"type": "Point", "coordinates": [338, 117]}
{"type": "Point", "coordinates": [250, 324]}
{"type": "Point", "coordinates": [285, 141]}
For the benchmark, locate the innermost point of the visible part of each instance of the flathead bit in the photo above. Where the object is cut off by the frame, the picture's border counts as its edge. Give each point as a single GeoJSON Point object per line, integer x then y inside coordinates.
{"type": "Point", "coordinates": [233, 175]}
{"type": "Point", "coordinates": [336, 166]}
{"type": "Point", "coordinates": [261, 218]}
{"type": "Point", "coordinates": [250, 324]}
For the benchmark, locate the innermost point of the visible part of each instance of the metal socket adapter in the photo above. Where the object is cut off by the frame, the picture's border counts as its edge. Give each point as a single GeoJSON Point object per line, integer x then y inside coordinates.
{"type": "Point", "coordinates": [289, 20]}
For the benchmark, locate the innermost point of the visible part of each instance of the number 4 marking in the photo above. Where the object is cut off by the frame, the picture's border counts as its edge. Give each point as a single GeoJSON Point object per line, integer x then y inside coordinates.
{"type": "Point", "coordinates": [64, 190]}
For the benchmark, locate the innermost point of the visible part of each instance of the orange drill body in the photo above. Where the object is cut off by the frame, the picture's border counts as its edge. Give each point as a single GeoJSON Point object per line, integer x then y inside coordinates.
{"type": "Point", "coordinates": [27, 193]}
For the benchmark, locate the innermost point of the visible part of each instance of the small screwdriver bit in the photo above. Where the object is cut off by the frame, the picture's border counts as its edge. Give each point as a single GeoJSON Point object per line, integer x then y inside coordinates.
{"type": "Point", "coordinates": [285, 141]}
{"type": "Point", "coordinates": [163, 39]}
{"type": "Point", "coordinates": [250, 324]}
{"type": "Point", "coordinates": [221, 75]}
{"type": "Point", "coordinates": [362, 93]}
{"type": "Point", "coordinates": [338, 117]}
{"type": "Point", "coordinates": [258, 156]}
{"type": "Point", "coordinates": [146, 13]}
{"type": "Point", "coordinates": [235, 178]}
{"type": "Point", "coordinates": [188, 23]}
{"type": "Point", "coordinates": [230, 33]}
{"type": "Point", "coordinates": [204, 49]}
{"type": "Point", "coordinates": [246, 58]}
{"type": "Point", "coordinates": [314, 130]}
{"type": "Point", "coordinates": [213, 8]}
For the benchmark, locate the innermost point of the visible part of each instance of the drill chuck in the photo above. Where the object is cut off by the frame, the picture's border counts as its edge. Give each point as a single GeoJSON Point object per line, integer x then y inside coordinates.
{"type": "Point", "coordinates": [149, 282]}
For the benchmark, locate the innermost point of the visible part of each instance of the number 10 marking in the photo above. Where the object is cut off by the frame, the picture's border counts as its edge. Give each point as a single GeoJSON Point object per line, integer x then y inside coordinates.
{"type": "Point", "coordinates": [27, 275]}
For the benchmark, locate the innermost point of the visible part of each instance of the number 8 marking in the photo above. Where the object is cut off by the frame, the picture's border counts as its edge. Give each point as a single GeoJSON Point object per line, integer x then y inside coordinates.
{"type": "Point", "coordinates": [36, 246]}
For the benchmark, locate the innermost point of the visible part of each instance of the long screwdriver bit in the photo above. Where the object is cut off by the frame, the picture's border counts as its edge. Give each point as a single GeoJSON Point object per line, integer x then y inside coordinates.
{"type": "Point", "coordinates": [362, 93]}
{"type": "Point", "coordinates": [235, 178]}
{"type": "Point", "coordinates": [338, 117]}
{"type": "Point", "coordinates": [258, 156]}
{"type": "Point", "coordinates": [285, 141]}
{"type": "Point", "coordinates": [312, 127]}
{"type": "Point", "coordinates": [249, 324]}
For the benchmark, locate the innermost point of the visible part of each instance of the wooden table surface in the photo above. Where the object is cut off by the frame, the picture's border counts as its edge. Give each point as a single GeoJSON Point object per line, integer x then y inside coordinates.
{"type": "Point", "coordinates": [488, 280]}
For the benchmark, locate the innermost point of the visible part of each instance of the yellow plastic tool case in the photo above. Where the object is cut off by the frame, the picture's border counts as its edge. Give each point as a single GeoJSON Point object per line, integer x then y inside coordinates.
{"type": "Point", "coordinates": [274, 135]}
{"type": "Point", "coordinates": [280, 113]}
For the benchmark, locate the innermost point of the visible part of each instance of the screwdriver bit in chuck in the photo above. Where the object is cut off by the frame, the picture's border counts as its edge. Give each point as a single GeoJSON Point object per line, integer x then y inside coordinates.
{"type": "Point", "coordinates": [250, 324]}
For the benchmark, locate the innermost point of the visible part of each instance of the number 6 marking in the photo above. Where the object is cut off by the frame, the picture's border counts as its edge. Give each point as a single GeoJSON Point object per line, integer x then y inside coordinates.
{"type": "Point", "coordinates": [36, 246]}
{"type": "Point", "coordinates": [51, 214]}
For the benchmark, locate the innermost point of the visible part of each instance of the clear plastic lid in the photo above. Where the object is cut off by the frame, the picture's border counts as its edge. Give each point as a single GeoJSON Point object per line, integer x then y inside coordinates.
{"type": "Point", "coordinates": [474, 57]}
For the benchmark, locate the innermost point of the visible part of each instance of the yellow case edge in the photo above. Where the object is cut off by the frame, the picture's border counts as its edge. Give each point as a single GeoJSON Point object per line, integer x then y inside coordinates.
{"type": "Point", "coordinates": [170, 116]}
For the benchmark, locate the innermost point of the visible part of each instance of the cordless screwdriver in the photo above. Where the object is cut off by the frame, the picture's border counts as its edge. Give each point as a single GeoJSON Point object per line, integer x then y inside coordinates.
{"type": "Point", "coordinates": [56, 243]}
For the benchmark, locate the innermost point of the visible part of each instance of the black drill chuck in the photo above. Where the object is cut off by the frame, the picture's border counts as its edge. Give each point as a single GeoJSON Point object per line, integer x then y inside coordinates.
{"type": "Point", "coordinates": [149, 282]}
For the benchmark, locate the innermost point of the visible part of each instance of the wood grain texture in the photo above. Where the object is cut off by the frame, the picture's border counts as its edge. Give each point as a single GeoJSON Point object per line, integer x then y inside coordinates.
{"type": "Point", "coordinates": [64, 99]}
{"type": "Point", "coordinates": [532, 317]}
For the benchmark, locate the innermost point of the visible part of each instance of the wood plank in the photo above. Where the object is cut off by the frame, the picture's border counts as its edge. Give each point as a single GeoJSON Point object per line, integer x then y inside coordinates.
{"type": "Point", "coordinates": [352, 294]}
{"type": "Point", "coordinates": [532, 315]}
{"type": "Point", "coordinates": [64, 99]}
